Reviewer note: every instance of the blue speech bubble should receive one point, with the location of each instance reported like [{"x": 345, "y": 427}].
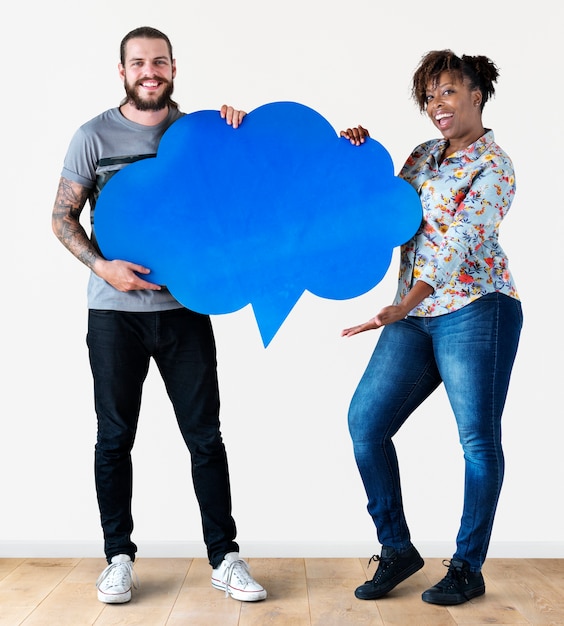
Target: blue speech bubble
[{"x": 258, "y": 215}]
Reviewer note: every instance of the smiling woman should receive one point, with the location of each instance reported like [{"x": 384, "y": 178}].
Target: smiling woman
[
  {"x": 456, "y": 319},
  {"x": 454, "y": 98}
]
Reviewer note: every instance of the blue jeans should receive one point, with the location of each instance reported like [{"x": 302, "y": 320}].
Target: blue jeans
[
  {"x": 182, "y": 345},
  {"x": 472, "y": 352}
]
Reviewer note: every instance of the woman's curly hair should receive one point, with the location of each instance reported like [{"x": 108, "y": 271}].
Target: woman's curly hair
[{"x": 480, "y": 72}]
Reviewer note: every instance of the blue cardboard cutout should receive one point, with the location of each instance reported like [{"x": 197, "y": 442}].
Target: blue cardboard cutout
[{"x": 226, "y": 217}]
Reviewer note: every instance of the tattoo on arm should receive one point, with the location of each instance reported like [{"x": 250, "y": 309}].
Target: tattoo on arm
[{"x": 70, "y": 200}]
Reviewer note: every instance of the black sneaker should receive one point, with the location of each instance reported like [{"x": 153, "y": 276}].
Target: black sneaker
[
  {"x": 393, "y": 567},
  {"x": 458, "y": 586}
]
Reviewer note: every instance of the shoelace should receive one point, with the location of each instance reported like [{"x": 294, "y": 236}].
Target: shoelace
[
  {"x": 455, "y": 575},
  {"x": 383, "y": 564},
  {"x": 240, "y": 570},
  {"x": 375, "y": 557},
  {"x": 118, "y": 575}
]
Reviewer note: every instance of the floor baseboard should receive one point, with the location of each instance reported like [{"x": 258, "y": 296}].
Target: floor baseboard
[{"x": 258, "y": 549}]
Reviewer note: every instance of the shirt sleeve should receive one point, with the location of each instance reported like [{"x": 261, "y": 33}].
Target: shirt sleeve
[{"x": 81, "y": 161}]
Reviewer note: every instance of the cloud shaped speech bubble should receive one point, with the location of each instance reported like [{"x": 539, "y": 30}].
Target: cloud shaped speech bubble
[{"x": 259, "y": 214}]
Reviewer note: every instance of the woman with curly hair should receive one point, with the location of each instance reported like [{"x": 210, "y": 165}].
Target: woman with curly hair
[{"x": 456, "y": 320}]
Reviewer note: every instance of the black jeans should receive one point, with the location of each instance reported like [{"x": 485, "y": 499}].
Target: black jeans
[{"x": 182, "y": 345}]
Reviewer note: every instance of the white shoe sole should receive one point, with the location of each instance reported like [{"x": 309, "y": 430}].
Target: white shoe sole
[
  {"x": 116, "y": 598},
  {"x": 237, "y": 594}
]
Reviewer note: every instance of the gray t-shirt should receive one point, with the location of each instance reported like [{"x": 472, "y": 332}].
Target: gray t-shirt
[{"x": 99, "y": 149}]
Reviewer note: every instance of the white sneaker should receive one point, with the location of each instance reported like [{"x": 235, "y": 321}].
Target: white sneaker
[
  {"x": 115, "y": 582},
  {"x": 234, "y": 577}
]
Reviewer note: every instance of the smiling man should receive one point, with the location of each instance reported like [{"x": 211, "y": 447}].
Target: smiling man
[
  {"x": 147, "y": 70},
  {"x": 131, "y": 320}
]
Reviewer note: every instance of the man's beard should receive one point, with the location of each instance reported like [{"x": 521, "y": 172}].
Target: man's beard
[{"x": 149, "y": 104}]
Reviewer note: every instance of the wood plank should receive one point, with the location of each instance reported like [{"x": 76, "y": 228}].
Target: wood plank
[
  {"x": 287, "y": 602},
  {"x": 7, "y": 566},
  {"x": 199, "y": 603},
  {"x": 69, "y": 604},
  {"x": 331, "y": 584},
  {"x": 532, "y": 587},
  {"x": 26, "y": 586},
  {"x": 335, "y": 568},
  {"x": 332, "y": 603},
  {"x": 73, "y": 602}
]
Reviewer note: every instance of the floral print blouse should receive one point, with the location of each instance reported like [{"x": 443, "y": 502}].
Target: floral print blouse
[{"x": 456, "y": 248}]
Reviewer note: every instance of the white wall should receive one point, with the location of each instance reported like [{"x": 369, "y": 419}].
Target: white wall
[{"x": 296, "y": 489}]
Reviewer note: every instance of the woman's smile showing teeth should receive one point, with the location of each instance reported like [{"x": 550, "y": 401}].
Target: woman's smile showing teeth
[{"x": 443, "y": 119}]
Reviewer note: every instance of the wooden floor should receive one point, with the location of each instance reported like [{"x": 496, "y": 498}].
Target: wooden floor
[{"x": 301, "y": 592}]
